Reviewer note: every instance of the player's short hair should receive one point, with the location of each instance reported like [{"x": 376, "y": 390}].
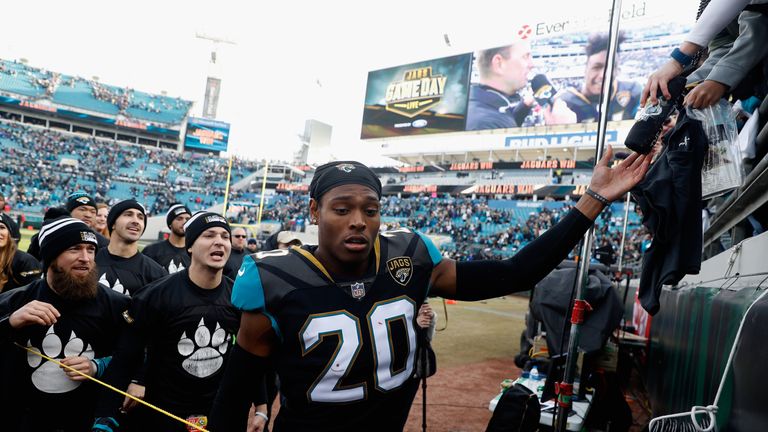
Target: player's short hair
[
  {"x": 599, "y": 42},
  {"x": 484, "y": 58}
]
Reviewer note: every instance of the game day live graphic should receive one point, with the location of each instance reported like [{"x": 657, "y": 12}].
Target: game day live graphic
[{"x": 419, "y": 98}]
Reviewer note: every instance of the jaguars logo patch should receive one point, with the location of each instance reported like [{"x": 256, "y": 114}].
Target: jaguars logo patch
[
  {"x": 401, "y": 269},
  {"x": 347, "y": 168},
  {"x": 623, "y": 97},
  {"x": 127, "y": 317}
]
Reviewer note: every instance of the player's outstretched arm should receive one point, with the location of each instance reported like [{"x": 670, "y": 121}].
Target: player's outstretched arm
[
  {"x": 243, "y": 381},
  {"x": 478, "y": 280}
]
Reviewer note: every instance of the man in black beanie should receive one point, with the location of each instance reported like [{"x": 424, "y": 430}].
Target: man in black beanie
[
  {"x": 53, "y": 213},
  {"x": 66, "y": 316},
  {"x": 186, "y": 322},
  {"x": 121, "y": 266},
  {"x": 82, "y": 206},
  {"x": 171, "y": 253}
]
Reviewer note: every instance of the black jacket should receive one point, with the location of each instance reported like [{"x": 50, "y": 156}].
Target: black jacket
[
  {"x": 25, "y": 269},
  {"x": 491, "y": 109},
  {"x": 670, "y": 198}
]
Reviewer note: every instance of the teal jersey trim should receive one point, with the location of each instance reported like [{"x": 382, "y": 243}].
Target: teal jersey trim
[
  {"x": 248, "y": 292},
  {"x": 434, "y": 252}
]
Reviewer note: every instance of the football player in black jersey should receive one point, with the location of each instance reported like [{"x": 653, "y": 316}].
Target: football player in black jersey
[
  {"x": 339, "y": 319},
  {"x": 121, "y": 266},
  {"x": 67, "y": 316},
  {"x": 171, "y": 253},
  {"x": 187, "y": 323}
]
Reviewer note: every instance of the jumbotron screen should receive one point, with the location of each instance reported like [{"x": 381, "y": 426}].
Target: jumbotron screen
[
  {"x": 550, "y": 74},
  {"x": 417, "y": 98},
  {"x": 206, "y": 134}
]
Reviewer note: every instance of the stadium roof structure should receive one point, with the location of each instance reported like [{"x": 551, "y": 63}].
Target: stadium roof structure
[{"x": 46, "y": 90}]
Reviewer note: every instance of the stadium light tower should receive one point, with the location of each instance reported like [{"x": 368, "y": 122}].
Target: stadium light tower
[{"x": 213, "y": 82}]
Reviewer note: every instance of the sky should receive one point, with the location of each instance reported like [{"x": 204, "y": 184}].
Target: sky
[{"x": 292, "y": 60}]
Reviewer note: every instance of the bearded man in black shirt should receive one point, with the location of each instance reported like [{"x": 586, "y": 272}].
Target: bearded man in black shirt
[{"x": 67, "y": 316}]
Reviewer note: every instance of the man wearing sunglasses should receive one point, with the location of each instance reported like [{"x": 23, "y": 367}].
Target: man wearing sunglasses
[{"x": 239, "y": 238}]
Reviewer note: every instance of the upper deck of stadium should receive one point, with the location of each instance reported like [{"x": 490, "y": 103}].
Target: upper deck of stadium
[{"x": 41, "y": 88}]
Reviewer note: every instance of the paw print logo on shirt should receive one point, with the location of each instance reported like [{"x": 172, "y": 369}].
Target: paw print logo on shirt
[
  {"x": 204, "y": 354},
  {"x": 49, "y": 377},
  {"x": 173, "y": 268},
  {"x": 117, "y": 286}
]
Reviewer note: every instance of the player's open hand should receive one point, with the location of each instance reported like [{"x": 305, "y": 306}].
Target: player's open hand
[{"x": 613, "y": 183}]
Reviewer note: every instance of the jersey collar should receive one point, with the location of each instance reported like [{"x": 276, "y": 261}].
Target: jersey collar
[{"x": 319, "y": 266}]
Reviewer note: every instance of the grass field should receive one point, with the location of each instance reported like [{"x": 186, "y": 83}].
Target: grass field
[
  {"x": 25, "y": 236},
  {"x": 479, "y": 331},
  {"x": 474, "y": 354}
]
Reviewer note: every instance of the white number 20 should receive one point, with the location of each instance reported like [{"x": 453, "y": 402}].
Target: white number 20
[{"x": 347, "y": 327}]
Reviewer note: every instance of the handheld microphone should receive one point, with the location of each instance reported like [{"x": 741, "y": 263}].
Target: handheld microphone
[{"x": 543, "y": 90}]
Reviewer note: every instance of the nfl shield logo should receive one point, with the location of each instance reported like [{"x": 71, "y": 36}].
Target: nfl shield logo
[{"x": 358, "y": 290}]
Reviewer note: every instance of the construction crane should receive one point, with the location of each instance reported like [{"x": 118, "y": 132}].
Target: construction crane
[{"x": 213, "y": 82}]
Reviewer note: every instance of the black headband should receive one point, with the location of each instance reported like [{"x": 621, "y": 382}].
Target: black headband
[{"x": 339, "y": 173}]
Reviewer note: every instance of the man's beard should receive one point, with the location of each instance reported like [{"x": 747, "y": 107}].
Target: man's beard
[
  {"x": 179, "y": 232},
  {"x": 73, "y": 287}
]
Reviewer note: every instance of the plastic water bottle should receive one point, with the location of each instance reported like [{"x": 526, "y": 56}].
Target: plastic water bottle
[
  {"x": 535, "y": 383},
  {"x": 534, "y": 374},
  {"x": 524, "y": 378}
]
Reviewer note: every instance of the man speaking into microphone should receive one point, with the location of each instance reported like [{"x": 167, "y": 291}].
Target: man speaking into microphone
[{"x": 494, "y": 102}]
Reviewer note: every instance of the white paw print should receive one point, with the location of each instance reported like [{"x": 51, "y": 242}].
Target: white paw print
[
  {"x": 204, "y": 354},
  {"x": 49, "y": 377},
  {"x": 173, "y": 268},
  {"x": 117, "y": 286}
]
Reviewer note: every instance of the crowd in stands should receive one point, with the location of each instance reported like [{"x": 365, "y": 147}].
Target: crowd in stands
[
  {"x": 62, "y": 163},
  {"x": 158, "y": 177},
  {"x": 476, "y": 228},
  {"x": 145, "y": 106}
]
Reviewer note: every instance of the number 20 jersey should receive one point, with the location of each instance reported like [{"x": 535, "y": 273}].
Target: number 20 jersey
[{"x": 346, "y": 350}]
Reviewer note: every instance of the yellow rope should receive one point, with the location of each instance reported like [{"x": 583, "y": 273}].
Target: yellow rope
[{"x": 147, "y": 404}]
